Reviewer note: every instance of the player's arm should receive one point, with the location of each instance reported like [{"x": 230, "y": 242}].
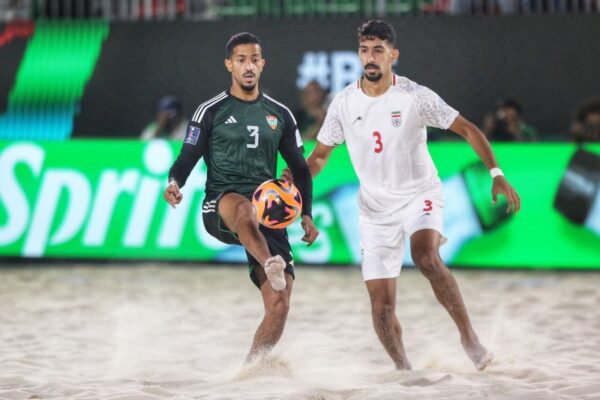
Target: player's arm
[
  {"x": 330, "y": 135},
  {"x": 476, "y": 139},
  {"x": 194, "y": 147},
  {"x": 290, "y": 148},
  {"x": 316, "y": 161},
  {"x": 480, "y": 144},
  {"x": 318, "y": 158}
]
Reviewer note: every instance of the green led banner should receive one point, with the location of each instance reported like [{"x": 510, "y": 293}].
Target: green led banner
[
  {"x": 57, "y": 64},
  {"x": 103, "y": 199}
]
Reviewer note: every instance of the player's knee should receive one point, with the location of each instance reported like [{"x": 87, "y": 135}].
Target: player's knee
[
  {"x": 243, "y": 209},
  {"x": 244, "y": 214},
  {"x": 428, "y": 262},
  {"x": 279, "y": 308},
  {"x": 383, "y": 311}
]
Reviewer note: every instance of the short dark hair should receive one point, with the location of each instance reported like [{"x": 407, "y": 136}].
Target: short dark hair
[
  {"x": 511, "y": 103},
  {"x": 377, "y": 28},
  {"x": 169, "y": 103},
  {"x": 591, "y": 106},
  {"x": 240, "y": 38}
]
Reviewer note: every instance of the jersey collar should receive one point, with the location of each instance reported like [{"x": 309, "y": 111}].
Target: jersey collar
[{"x": 258, "y": 98}]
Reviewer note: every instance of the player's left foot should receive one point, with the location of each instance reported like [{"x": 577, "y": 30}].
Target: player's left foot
[
  {"x": 480, "y": 356},
  {"x": 274, "y": 267},
  {"x": 403, "y": 366}
]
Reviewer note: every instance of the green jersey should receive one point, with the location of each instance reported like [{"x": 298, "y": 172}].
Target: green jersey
[{"x": 239, "y": 141}]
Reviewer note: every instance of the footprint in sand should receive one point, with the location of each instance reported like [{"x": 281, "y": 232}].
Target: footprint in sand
[
  {"x": 424, "y": 381},
  {"x": 413, "y": 378},
  {"x": 266, "y": 366}
]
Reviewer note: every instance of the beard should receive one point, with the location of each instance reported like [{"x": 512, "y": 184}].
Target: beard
[
  {"x": 248, "y": 88},
  {"x": 373, "y": 76}
]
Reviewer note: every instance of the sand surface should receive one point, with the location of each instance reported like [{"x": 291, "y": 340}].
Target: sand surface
[{"x": 174, "y": 332}]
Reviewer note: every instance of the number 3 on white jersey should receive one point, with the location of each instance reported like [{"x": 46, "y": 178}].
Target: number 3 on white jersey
[
  {"x": 253, "y": 133},
  {"x": 378, "y": 143}
]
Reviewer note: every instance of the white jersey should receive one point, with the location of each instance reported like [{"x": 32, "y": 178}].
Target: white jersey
[{"x": 386, "y": 138}]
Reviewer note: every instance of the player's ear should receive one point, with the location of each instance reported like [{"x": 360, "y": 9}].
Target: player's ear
[
  {"x": 395, "y": 54},
  {"x": 229, "y": 64}
]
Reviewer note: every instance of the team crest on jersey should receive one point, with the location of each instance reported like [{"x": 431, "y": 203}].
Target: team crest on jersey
[
  {"x": 396, "y": 119},
  {"x": 272, "y": 120}
]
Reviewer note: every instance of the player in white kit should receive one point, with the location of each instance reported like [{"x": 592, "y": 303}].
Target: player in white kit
[{"x": 383, "y": 119}]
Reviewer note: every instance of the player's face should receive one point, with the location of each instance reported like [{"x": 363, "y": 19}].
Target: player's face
[
  {"x": 377, "y": 57},
  {"x": 245, "y": 64}
]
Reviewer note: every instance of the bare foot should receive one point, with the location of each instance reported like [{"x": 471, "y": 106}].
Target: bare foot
[
  {"x": 403, "y": 366},
  {"x": 274, "y": 268},
  {"x": 480, "y": 356}
]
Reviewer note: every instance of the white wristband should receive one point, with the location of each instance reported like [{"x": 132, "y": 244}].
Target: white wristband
[{"x": 494, "y": 172}]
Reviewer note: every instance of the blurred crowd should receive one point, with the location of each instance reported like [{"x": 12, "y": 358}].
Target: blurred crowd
[
  {"x": 218, "y": 9},
  {"x": 503, "y": 123}
]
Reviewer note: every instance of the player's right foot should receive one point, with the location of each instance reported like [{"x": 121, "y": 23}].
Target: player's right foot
[
  {"x": 274, "y": 267},
  {"x": 480, "y": 356}
]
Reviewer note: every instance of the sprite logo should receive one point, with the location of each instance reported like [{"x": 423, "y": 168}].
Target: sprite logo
[{"x": 84, "y": 205}]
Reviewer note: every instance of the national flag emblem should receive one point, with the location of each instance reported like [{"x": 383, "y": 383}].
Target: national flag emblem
[
  {"x": 396, "y": 119},
  {"x": 193, "y": 133},
  {"x": 272, "y": 120}
]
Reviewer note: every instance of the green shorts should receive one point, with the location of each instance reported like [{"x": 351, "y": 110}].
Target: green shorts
[{"x": 277, "y": 239}]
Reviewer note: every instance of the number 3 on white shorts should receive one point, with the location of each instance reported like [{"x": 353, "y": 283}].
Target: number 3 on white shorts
[{"x": 428, "y": 206}]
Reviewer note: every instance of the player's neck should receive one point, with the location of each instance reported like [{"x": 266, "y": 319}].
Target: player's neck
[
  {"x": 237, "y": 91},
  {"x": 374, "y": 89}
]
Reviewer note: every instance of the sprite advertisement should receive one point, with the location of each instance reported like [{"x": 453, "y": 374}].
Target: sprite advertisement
[{"x": 103, "y": 199}]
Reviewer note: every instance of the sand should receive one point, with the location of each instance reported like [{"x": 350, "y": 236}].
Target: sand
[{"x": 178, "y": 332}]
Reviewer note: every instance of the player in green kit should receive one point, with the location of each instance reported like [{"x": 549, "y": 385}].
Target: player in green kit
[{"x": 239, "y": 133}]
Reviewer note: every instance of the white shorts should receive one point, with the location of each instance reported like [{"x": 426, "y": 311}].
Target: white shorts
[{"x": 382, "y": 239}]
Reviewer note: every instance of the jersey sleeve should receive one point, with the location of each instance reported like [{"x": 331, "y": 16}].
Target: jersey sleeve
[
  {"x": 433, "y": 110},
  {"x": 291, "y": 149},
  {"x": 331, "y": 133},
  {"x": 194, "y": 146}
]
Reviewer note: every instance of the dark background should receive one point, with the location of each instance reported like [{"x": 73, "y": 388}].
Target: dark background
[
  {"x": 10, "y": 58},
  {"x": 549, "y": 63}
]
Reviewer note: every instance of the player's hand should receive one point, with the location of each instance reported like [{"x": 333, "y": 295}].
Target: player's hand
[
  {"x": 310, "y": 230},
  {"x": 501, "y": 186},
  {"x": 172, "y": 194},
  {"x": 286, "y": 175}
]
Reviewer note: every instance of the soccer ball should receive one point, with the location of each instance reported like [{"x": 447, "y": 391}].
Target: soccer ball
[{"x": 277, "y": 203}]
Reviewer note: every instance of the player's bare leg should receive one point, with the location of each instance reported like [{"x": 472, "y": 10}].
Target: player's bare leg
[
  {"x": 277, "y": 305},
  {"x": 238, "y": 215},
  {"x": 383, "y": 311},
  {"x": 425, "y": 253}
]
